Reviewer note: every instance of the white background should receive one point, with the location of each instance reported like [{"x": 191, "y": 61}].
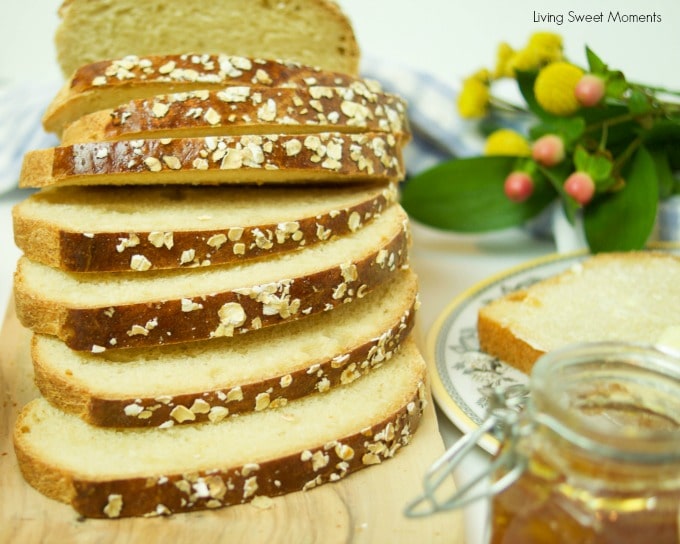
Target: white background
[{"x": 447, "y": 37}]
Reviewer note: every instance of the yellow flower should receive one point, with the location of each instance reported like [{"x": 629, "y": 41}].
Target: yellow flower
[
  {"x": 503, "y": 56},
  {"x": 473, "y": 99},
  {"x": 554, "y": 88},
  {"x": 541, "y": 49},
  {"x": 524, "y": 60},
  {"x": 507, "y": 142},
  {"x": 482, "y": 75},
  {"x": 549, "y": 44}
]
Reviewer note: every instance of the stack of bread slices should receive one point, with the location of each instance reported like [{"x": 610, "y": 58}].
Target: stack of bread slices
[{"x": 216, "y": 275}]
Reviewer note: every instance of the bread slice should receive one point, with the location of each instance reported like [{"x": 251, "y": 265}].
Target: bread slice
[
  {"x": 256, "y": 159},
  {"x": 311, "y": 441},
  {"x": 97, "y": 228},
  {"x": 314, "y": 32},
  {"x": 208, "y": 381},
  {"x": 129, "y": 309},
  {"x": 245, "y": 110},
  {"x": 608, "y": 297},
  {"x": 110, "y": 83}
]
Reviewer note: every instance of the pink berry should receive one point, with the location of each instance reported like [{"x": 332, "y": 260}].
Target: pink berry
[
  {"x": 589, "y": 90},
  {"x": 548, "y": 150},
  {"x": 580, "y": 186},
  {"x": 518, "y": 186}
]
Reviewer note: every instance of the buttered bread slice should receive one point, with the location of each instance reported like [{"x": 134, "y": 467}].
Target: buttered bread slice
[
  {"x": 209, "y": 381},
  {"x": 128, "y": 309},
  {"x": 632, "y": 297},
  {"x": 109, "y": 83},
  {"x": 256, "y": 159},
  {"x": 311, "y": 441},
  {"x": 98, "y": 229},
  {"x": 246, "y": 110}
]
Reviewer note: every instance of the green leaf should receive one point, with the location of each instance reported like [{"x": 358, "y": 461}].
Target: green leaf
[
  {"x": 664, "y": 131},
  {"x": 525, "y": 83},
  {"x": 466, "y": 195},
  {"x": 638, "y": 102},
  {"x": 598, "y": 166},
  {"x": 623, "y": 220},
  {"x": 664, "y": 175},
  {"x": 556, "y": 176},
  {"x": 616, "y": 85},
  {"x": 570, "y": 129},
  {"x": 581, "y": 158},
  {"x": 595, "y": 63}
]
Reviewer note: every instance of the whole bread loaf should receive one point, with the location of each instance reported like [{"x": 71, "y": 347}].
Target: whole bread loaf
[
  {"x": 246, "y": 110},
  {"x": 101, "y": 229},
  {"x": 327, "y": 157},
  {"x": 210, "y": 381},
  {"x": 314, "y": 32},
  {"x": 631, "y": 296},
  {"x": 131, "y": 309},
  {"x": 110, "y": 83},
  {"x": 311, "y": 441}
]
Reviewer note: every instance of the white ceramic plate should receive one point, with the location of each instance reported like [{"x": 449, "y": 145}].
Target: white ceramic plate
[{"x": 459, "y": 371}]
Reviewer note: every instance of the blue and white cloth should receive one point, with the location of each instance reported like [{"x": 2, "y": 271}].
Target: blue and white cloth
[
  {"x": 438, "y": 132},
  {"x": 21, "y": 110}
]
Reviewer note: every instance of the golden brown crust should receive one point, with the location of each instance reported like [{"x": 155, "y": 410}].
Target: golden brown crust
[
  {"x": 273, "y": 158},
  {"x": 174, "y": 493},
  {"x": 47, "y": 243},
  {"x": 499, "y": 341},
  {"x": 203, "y": 406},
  {"x": 233, "y": 311},
  {"x": 243, "y": 110},
  {"x": 109, "y": 83}
]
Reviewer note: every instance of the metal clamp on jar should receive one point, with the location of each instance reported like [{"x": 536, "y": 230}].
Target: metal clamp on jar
[{"x": 589, "y": 452}]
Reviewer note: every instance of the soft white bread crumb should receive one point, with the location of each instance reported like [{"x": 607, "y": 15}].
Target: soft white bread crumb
[{"x": 96, "y": 229}]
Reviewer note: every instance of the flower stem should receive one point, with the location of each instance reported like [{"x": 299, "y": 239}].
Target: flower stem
[
  {"x": 505, "y": 105},
  {"x": 613, "y": 121},
  {"x": 626, "y": 154},
  {"x": 654, "y": 89}
]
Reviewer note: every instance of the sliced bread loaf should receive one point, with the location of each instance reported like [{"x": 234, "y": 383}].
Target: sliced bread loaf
[
  {"x": 110, "y": 83},
  {"x": 245, "y": 110},
  {"x": 128, "y": 309},
  {"x": 314, "y": 32},
  {"x": 208, "y": 381},
  {"x": 611, "y": 296},
  {"x": 311, "y": 441},
  {"x": 98, "y": 228},
  {"x": 256, "y": 159}
]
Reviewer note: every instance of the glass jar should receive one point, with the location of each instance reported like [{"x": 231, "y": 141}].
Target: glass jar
[
  {"x": 600, "y": 446},
  {"x": 592, "y": 455}
]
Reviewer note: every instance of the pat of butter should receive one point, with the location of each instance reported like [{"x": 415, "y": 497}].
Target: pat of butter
[{"x": 670, "y": 337}]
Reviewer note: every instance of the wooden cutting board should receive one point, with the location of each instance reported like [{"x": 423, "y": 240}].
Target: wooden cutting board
[{"x": 367, "y": 507}]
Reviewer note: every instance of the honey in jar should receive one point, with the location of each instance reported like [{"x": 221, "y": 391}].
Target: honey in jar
[{"x": 597, "y": 445}]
